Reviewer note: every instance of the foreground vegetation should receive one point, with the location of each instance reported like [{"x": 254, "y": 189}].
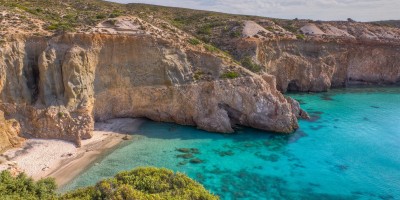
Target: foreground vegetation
[
  {"x": 23, "y": 187},
  {"x": 141, "y": 183}
]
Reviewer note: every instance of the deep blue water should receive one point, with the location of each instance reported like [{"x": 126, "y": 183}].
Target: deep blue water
[{"x": 350, "y": 149}]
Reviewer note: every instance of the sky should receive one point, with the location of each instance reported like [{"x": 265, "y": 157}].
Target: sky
[{"x": 359, "y": 10}]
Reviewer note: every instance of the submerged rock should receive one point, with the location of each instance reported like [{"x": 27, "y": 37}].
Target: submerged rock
[
  {"x": 188, "y": 150},
  {"x": 196, "y": 161},
  {"x": 185, "y": 156}
]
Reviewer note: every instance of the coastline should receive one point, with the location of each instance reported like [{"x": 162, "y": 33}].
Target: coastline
[{"x": 61, "y": 160}]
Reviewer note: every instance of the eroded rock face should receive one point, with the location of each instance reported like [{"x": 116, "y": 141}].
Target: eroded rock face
[
  {"x": 316, "y": 66},
  {"x": 32, "y": 92},
  {"x": 212, "y": 106},
  {"x": 9, "y": 133},
  {"x": 58, "y": 87}
]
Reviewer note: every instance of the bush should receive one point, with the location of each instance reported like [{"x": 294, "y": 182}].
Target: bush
[
  {"x": 230, "y": 75},
  {"x": 205, "y": 30},
  {"x": 197, "y": 75},
  {"x": 63, "y": 27},
  {"x": 141, "y": 183},
  {"x": 235, "y": 34},
  {"x": 249, "y": 64},
  {"x": 210, "y": 48},
  {"x": 194, "y": 41},
  {"x": 300, "y": 37},
  {"x": 144, "y": 183},
  {"x": 60, "y": 114},
  {"x": 290, "y": 28},
  {"x": 22, "y": 187},
  {"x": 112, "y": 22},
  {"x": 101, "y": 16},
  {"x": 270, "y": 28},
  {"x": 179, "y": 22},
  {"x": 115, "y": 13}
]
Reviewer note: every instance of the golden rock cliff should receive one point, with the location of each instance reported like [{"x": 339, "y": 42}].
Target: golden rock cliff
[
  {"x": 9, "y": 130},
  {"x": 58, "y": 86},
  {"x": 357, "y": 53}
]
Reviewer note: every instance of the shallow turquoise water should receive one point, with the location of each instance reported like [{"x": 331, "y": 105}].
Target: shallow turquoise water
[{"x": 349, "y": 150}]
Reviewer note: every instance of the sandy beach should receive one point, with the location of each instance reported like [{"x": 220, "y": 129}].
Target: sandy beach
[{"x": 61, "y": 160}]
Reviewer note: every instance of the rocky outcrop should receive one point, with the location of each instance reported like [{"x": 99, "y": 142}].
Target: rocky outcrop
[
  {"x": 9, "y": 133},
  {"x": 324, "y": 55},
  {"x": 57, "y": 87},
  {"x": 318, "y": 65},
  {"x": 30, "y": 93}
]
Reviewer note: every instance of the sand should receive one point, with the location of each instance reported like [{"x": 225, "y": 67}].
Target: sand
[
  {"x": 61, "y": 160},
  {"x": 311, "y": 29},
  {"x": 252, "y": 28}
]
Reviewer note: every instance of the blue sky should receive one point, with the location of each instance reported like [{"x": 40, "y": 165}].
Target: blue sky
[{"x": 360, "y": 10}]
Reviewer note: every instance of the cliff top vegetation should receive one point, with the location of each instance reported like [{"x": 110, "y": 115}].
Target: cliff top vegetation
[{"x": 73, "y": 15}]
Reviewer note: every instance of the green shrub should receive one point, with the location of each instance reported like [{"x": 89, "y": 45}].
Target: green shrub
[
  {"x": 230, "y": 75},
  {"x": 141, "y": 183},
  {"x": 179, "y": 22},
  {"x": 249, "y": 64},
  {"x": 114, "y": 22},
  {"x": 205, "y": 30},
  {"x": 22, "y": 187},
  {"x": 235, "y": 34},
  {"x": 210, "y": 48},
  {"x": 60, "y": 114},
  {"x": 300, "y": 36},
  {"x": 194, "y": 41},
  {"x": 101, "y": 16},
  {"x": 144, "y": 183},
  {"x": 290, "y": 28},
  {"x": 270, "y": 28},
  {"x": 115, "y": 13},
  {"x": 197, "y": 75},
  {"x": 63, "y": 27}
]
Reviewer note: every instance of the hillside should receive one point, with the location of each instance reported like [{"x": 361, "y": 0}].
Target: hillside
[{"x": 390, "y": 23}]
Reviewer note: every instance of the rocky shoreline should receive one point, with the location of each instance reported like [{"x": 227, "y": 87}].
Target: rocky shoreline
[{"x": 61, "y": 160}]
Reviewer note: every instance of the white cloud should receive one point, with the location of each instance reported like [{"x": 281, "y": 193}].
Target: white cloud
[{"x": 362, "y": 10}]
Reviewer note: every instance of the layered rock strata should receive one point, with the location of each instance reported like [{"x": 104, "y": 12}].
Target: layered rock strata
[
  {"x": 58, "y": 87},
  {"x": 327, "y": 55},
  {"x": 315, "y": 66}
]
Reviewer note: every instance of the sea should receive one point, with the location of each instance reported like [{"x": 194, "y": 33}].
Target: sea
[{"x": 349, "y": 149}]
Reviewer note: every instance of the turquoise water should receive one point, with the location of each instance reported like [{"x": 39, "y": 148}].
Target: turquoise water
[{"x": 350, "y": 149}]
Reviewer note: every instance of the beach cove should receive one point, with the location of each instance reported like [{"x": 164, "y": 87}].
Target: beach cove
[
  {"x": 347, "y": 150},
  {"x": 63, "y": 161},
  {"x": 334, "y": 155}
]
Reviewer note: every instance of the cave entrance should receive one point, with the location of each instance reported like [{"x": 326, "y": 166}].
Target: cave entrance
[
  {"x": 233, "y": 114},
  {"x": 32, "y": 77},
  {"x": 293, "y": 86}
]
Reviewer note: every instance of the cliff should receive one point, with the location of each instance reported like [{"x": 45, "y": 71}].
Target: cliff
[
  {"x": 58, "y": 86},
  {"x": 316, "y": 66},
  {"x": 303, "y": 55}
]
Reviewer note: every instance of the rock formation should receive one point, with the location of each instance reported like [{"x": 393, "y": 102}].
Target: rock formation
[
  {"x": 322, "y": 60},
  {"x": 56, "y": 87},
  {"x": 9, "y": 130}
]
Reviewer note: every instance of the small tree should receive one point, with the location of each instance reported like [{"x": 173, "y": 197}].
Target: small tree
[{"x": 350, "y": 20}]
